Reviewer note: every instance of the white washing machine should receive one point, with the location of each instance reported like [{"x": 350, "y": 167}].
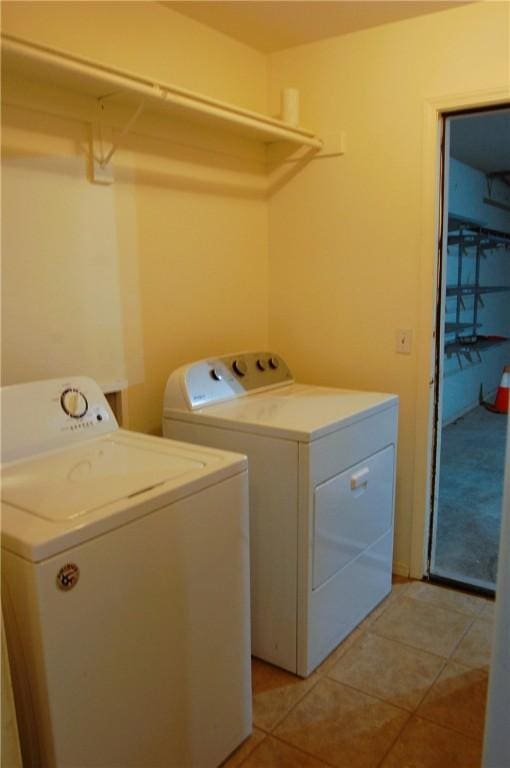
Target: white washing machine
[
  {"x": 125, "y": 575},
  {"x": 322, "y": 488}
]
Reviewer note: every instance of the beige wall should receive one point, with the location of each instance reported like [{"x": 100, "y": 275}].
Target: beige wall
[
  {"x": 350, "y": 239},
  {"x": 346, "y": 235},
  {"x": 147, "y": 39},
  {"x": 61, "y": 308},
  {"x": 190, "y": 219}
]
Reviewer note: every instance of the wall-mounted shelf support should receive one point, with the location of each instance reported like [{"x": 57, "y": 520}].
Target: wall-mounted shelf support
[
  {"x": 472, "y": 238},
  {"x": 101, "y": 174},
  {"x": 502, "y": 175},
  {"x": 115, "y": 145}
]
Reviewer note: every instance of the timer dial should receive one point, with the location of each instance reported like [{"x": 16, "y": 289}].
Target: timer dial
[
  {"x": 240, "y": 367},
  {"x": 74, "y": 403}
]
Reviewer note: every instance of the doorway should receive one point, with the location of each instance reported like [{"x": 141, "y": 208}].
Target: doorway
[{"x": 473, "y": 349}]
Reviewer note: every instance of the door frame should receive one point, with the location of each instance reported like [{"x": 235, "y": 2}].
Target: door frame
[
  {"x": 437, "y": 387},
  {"x": 429, "y": 270}
]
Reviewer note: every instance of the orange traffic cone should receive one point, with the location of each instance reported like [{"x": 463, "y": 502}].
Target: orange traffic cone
[{"x": 502, "y": 397}]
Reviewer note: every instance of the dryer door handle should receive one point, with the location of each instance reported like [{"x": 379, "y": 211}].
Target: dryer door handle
[{"x": 360, "y": 479}]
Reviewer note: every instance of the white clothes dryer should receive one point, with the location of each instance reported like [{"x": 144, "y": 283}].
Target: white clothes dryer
[
  {"x": 125, "y": 575},
  {"x": 322, "y": 488}
]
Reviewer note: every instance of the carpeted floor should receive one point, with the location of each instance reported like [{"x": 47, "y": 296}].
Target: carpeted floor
[{"x": 470, "y": 498}]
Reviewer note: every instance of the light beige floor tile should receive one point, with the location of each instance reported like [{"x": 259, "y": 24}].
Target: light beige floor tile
[
  {"x": 422, "y": 625},
  {"x": 275, "y": 692},
  {"x": 457, "y": 700},
  {"x": 475, "y": 648},
  {"x": 446, "y": 598},
  {"x": 337, "y": 654},
  {"x": 399, "y": 585},
  {"x": 378, "y": 611},
  {"x": 398, "y": 590},
  {"x": 385, "y": 668},
  {"x": 426, "y": 745},
  {"x": 242, "y": 752},
  {"x": 275, "y": 754},
  {"x": 342, "y": 726}
]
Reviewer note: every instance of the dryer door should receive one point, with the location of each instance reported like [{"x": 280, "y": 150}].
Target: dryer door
[{"x": 351, "y": 511}]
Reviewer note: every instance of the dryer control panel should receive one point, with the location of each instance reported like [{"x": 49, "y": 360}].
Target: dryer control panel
[{"x": 214, "y": 380}]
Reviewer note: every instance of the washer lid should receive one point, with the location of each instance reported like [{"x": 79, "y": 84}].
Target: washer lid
[
  {"x": 67, "y": 497},
  {"x": 71, "y": 483}
]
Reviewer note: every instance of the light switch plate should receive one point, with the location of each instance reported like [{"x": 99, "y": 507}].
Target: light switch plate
[{"x": 403, "y": 341}]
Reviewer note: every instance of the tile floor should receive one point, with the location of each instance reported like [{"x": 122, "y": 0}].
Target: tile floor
[{"x": 406, "y": 689}]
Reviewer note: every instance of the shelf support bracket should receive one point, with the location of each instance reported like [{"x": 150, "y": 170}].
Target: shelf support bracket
[{"x": 101, "y": 173}]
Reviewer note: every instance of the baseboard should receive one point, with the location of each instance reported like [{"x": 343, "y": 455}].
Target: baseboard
[{"x": 400, "y": 569}]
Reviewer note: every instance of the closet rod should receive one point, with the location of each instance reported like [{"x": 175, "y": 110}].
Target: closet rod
[{"x": 159, "y": 93}]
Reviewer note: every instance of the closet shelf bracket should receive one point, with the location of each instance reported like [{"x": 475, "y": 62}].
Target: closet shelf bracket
[{"x": 100, "y": 170}]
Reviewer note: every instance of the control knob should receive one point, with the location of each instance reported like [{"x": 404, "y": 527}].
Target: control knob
[
  {"x": 274, "y": 363},
  {"x": 216, "y": 374},
  {"x": 261, "y": 364},
  {"x": 74, "y": 403},
  {"x": 239, "y": 367}
]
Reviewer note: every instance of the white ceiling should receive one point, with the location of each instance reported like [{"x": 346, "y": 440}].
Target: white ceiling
[
  {"x": 482, "y": 140},
  {"x": 272, "y": 25}
]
